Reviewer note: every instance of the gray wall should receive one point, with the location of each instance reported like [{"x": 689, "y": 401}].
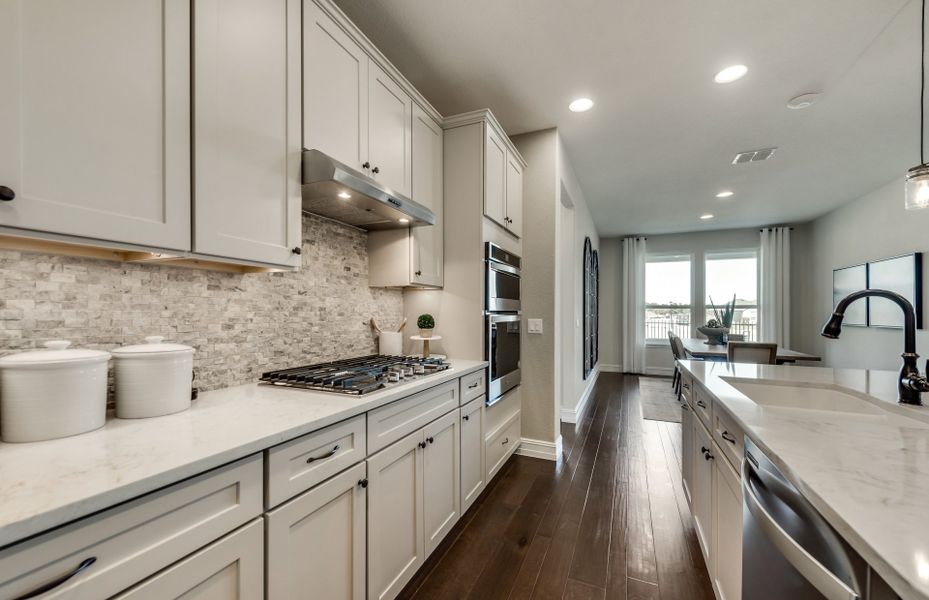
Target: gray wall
[
  {"x": 872, "y": 227},
  {"x": 240, "y": 325},
  {"x": 611, "y": 307}
]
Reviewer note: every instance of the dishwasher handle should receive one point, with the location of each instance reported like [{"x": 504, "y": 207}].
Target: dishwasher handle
[{"x": 824, "y": 580}]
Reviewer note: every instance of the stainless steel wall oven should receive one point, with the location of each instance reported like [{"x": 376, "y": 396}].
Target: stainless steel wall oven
[{"x": 502, "y": 318}]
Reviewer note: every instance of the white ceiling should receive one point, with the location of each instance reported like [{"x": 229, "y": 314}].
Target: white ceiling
[{"x": 657, "y": 146}]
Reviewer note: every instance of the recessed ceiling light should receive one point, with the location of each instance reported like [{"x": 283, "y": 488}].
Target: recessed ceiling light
[
  {"x": 706, "y": 217},
  {"x": 404, "y": 220},
  {"x": 731, "y": 73},
  {"x": 802, "y": 101},
  {"x": 344, "y": 195},
  {"x": 725, "y": 194},
  {"x": 581, "y": 104}
]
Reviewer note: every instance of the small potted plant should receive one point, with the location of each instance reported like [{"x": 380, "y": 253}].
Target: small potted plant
[
  {"x": 426, "y": 324},
  {"x": 716, "y": 329}
]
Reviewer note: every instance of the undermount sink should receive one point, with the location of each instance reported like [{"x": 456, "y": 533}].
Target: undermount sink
[{"x": 800, "y": 397}]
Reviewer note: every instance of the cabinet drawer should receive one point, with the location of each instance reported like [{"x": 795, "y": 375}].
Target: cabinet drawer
[
  {"x": 687, "y": 386},
  {"x": 235, "y": 564},
  {"x": 300, "y": 464},
  {"x": 473, "y": 385},
  {"x": 501, "y": 444},
  {"x": 135, "y": 540},
  {"x": 391, "y": 422},
  {"x": 729, "y": 436},
  {"x": 702, "y": 403}
]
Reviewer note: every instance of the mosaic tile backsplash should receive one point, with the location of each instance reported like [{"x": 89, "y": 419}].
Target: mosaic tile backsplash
[{"x": 240, "y": 325}]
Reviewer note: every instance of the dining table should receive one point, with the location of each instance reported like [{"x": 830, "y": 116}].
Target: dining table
[{"x": 698, "y": 348}]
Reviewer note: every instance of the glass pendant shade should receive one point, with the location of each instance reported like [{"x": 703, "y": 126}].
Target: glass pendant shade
[{"x": 917, "y": 187}]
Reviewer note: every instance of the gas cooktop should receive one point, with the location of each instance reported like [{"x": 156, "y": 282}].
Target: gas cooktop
[{"x": 356, "y": 375}]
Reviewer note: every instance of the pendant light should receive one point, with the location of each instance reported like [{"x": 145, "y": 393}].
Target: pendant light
[{"x": 917, "y": 178}]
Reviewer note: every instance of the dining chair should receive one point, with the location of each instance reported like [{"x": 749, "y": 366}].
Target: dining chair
[
  {"x": 752, "y": 352},
  {"x": 677, "y": 350}
]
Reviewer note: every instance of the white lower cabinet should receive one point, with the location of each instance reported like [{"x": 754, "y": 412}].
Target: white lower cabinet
[
  {"x": 472, "y": 452},
  {"x": 727, "y": 535},
  {"x": 396, "y": 544},
  {"x": 441, "y": 478},
  {"x": 317, "y": 541},
  {"x": 231, "y": 568},
  {"x": 687, "y": 450},
  {"x": 702, "y": 493}
]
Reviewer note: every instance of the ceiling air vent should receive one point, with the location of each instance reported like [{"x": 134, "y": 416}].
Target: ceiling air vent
[{"x": 753, "y": 156}]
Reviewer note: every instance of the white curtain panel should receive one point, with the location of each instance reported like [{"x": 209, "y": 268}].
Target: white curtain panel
[
  {"x": 634, "y": 305},
  {"x": 774, "y": 273}
]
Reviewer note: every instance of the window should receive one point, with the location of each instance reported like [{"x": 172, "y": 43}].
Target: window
[
  {"x": 667, "y": 296},
  {"x": 734, "y": 273}
]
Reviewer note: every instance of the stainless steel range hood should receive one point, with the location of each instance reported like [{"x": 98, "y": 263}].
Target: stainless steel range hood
[{"x": 336, "y": 191}]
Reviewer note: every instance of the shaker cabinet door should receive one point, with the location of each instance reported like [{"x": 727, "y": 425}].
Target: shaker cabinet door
[
  {"x": 472, "y": 452},
  {"x": 390, "y": 122},
  {"x": 395, "y": 516},
  {"x": 703, "y": 490},
  {"x": 427, "y": 251},
  {"x": 728, "y": 532},
  {"x": 247, "y": 148},
  {"x": 335, "y": 90},
  {"x": 317, "y": 541},
  {"x": 514, "y": 195},
  {"x": 495, "y": 167},
  {"x": 95, "y": 119},
  {"x": 441, "y": 479}
]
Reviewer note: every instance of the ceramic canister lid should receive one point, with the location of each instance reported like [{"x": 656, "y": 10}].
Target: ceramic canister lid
[
  {"x": 154, "y": 344},
  {"x": 56, "y": 352}
]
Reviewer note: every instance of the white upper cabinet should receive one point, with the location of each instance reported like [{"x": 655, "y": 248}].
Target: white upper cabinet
[
  {"x": 494, "y": 176},
  {"x": 247, "y": 146},
  {"x": 95, "y": 119},
  {"x": 514, "y": 195},
  {"x": 503, "y": 182},
  {"x": 390, "y": 121},
  {"x": 427, "y": 249},
  {"x": 335, "y": 90}
]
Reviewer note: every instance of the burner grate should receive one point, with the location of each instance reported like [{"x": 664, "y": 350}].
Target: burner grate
[{"x": 355, "y": 375}]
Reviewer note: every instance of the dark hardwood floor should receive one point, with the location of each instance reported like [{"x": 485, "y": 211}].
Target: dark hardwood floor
[{"x": 608, "y": 521}]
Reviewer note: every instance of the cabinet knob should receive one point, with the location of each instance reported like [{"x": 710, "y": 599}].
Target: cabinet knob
[
  {"x": 363, "y": 483},
  {"x": 430, "y": 440},
  {"x": 297, "y": 250},
  {"x": 376, "y": 170},
  {"x": 366, "y": 165},
  {"x": 466, "y": 417},
  {"x": 422, "y": 444},
  {"x": 6, "y": 194},
  {"x": 418, "y": 273}
]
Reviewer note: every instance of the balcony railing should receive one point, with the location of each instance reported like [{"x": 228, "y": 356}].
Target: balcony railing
[{"x": 657, "y": 329}]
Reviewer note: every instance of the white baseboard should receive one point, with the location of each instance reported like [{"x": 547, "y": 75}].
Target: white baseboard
[
  {"x": 569, "y": 415},
  {"x": 660, "y": 371},
  {"x": 540, "y": 448},
  {"x": 611, "y": 368}
]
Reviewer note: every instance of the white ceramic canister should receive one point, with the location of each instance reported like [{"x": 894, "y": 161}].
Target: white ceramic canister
[
  {"x": 52, "y": 393},
  {"x": 153, "y": 379}
]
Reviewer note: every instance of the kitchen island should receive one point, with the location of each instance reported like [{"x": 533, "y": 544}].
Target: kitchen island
[{"x": 864, "y": 467}]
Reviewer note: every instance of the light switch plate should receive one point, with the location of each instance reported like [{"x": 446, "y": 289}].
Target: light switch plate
[{"x": 535, "y": 325}]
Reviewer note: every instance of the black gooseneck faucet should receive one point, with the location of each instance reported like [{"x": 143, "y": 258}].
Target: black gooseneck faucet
[{"x": 910, "y": 383}]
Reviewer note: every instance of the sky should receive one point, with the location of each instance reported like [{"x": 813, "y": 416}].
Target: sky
[{"x": 669, "y": 282}]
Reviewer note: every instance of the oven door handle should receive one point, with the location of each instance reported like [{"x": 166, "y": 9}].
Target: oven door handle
[
  {"x": 824, "y": 580},
  {"x": 503, "y": 268}
]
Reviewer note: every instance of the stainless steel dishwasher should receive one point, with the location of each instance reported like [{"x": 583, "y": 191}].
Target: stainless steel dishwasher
[{"x": 788, "y": 549}]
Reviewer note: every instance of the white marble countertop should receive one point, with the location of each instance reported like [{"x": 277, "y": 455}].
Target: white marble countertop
[
  {"x": 46, "y": 484},
  {"x": 868, "y": 475}
]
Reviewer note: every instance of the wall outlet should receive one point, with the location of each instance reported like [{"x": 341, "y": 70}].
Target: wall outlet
[{"x": 535, "y": 325}]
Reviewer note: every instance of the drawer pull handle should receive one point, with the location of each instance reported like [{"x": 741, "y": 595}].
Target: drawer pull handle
[
  {"x": 474, "y": 385},
  {"x": 85, "y": 564},
  {"x": 505, "y": 442},
  {"x": 701, "y": 403},
  {"x": 329, "y": 454},
  {"x": 728, "y": 437},
  {"x": 686, "y": 386}
]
